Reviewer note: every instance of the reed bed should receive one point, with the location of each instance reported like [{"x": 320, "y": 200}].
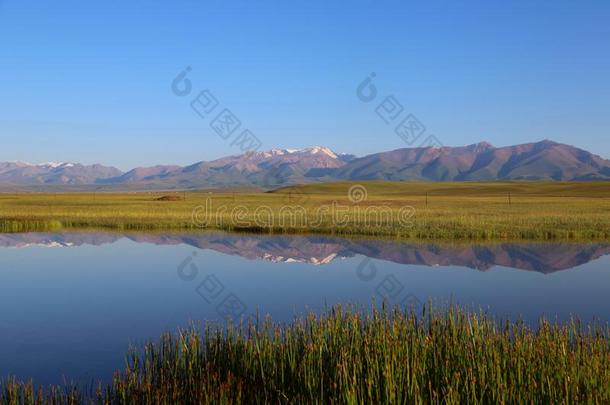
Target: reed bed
[{"x": 346, "y": 356}]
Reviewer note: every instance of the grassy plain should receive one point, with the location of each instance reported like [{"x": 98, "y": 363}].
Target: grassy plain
[
  {"x": 346, "y": 356},
  {"x": 405, "y": 210}
]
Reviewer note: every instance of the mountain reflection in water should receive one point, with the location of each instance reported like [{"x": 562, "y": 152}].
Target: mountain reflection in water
[{"x": 543, "y": 257}]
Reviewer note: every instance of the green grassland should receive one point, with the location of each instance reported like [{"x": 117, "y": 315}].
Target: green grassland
[
  {"x": 451, "y": 211},
  {"x": 346, "y": 356}
]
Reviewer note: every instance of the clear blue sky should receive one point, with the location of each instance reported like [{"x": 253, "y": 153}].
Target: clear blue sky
[{"x": 90, "y": 81}]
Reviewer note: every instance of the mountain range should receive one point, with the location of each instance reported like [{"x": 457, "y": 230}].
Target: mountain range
[{"x": 544, "y": 160}]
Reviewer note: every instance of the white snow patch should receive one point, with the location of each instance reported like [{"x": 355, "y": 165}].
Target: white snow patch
[{"x": 313, "y": 150}]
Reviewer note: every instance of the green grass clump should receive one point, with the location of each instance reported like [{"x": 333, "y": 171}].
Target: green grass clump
[
  {"x": 16, "y": 226},
  {"x": 346, "y": 356}
]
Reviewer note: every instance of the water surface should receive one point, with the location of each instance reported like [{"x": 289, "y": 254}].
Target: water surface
[{"x": 73, "y": 302}]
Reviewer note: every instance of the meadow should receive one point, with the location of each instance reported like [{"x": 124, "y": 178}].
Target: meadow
[
  {"x": 347, "y": 356},
  {"x": 454, "y": 211},
  {"x": 436, "y": 210}
]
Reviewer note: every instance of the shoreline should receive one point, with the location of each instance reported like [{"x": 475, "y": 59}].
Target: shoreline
[{"x": 473, "y": 235}]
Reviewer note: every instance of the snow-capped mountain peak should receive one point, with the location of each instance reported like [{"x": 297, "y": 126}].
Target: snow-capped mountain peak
[
  {"x": 311, "y": 150},
  {"x": 55, "y": 165},
  {"x": 322, "y": 150}
]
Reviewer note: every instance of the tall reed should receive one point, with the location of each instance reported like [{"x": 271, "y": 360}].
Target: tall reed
[{"x": 348, "y": 356}]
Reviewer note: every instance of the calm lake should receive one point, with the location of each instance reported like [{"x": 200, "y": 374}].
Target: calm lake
[{"x": 73, "y": 303}]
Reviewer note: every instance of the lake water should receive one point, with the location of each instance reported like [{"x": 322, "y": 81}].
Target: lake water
[{"x": 72, "y": 303}]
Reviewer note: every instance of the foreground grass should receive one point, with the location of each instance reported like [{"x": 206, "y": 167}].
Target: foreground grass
[
  {"x": 346, "y": 356},
  {"x": 455, "y": 211}
]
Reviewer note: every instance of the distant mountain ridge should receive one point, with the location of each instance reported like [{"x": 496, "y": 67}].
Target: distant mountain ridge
[
  {"x": 544, "y": 160},
  {"x": 54, "y": 173}
]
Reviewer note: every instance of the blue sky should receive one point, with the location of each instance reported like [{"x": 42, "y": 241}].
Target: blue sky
[{"x": 91, "y": 81}]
